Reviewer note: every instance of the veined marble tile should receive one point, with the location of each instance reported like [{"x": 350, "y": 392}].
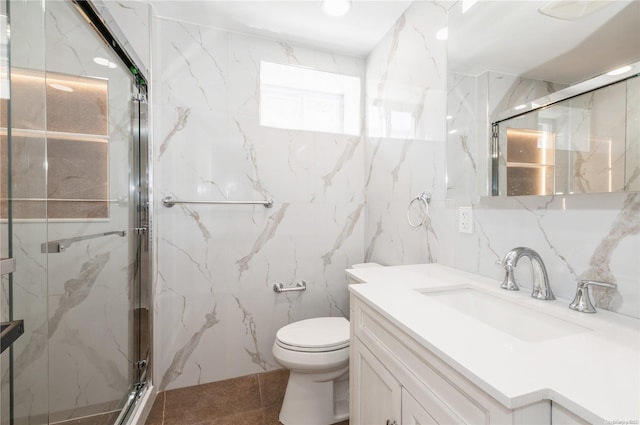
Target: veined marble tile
[
  {"x": 405, "y": 150},
  {"x": 130, "y": 23},
  {"x": 217, "y": 264},
  {"x": 406, "y": 78},
  {"x": 632, "y": 167},
  {"x": 194, "y": 66},
  {"x": 233, "y": 273},
  {"x": 507, "y": 91},
  {"x": 463, "y": 167}
]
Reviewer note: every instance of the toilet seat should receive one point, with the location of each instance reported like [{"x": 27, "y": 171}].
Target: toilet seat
[{"x": 321, "y": 334}]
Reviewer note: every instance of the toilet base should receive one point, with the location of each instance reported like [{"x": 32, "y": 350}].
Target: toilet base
[{"x": 312, "y": 399}]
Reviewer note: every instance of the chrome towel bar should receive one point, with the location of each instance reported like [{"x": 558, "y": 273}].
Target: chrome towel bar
[
  {"x": 170, "y": 202},
  {"x": 61, "y": 244},
  {"x": 300, "y": 286}
]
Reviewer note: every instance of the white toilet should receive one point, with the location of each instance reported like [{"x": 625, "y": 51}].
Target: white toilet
[{"x": 316, "y": 351}]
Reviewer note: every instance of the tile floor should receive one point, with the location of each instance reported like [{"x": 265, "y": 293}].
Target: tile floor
[{"x": 248, "y": 400}]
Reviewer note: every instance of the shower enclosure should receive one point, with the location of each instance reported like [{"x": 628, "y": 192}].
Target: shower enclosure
[{"x": 73, "y": 218}]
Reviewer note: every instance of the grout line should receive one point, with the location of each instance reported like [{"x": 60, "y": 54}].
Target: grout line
[
  {"x": 164, "y": 405},
  {"x": 260, "y": 390}
]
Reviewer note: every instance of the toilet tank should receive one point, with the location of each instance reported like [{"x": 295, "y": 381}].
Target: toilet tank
[{"x": 351, "y": 280}]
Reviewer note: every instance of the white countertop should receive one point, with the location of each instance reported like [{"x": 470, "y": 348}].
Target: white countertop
[{"x": 595, "y": 374}]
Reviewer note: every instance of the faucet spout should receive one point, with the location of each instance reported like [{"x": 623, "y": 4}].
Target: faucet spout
[{"x": 541, "y": 288}]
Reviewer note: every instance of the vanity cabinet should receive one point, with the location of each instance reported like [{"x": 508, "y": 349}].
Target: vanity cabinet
[
  {"x": 396, "y": 380},
  {"x": 379, "y": 393},
  {"x": 561, "y": 416}
]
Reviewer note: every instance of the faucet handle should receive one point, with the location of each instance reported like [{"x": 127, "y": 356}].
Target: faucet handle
[
  {"x": 582, "y": 301},
  {"x": 509, "y": 282}
]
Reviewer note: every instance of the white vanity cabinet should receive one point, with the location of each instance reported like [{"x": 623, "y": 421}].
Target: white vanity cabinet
[{"x": 396, "y": 380}]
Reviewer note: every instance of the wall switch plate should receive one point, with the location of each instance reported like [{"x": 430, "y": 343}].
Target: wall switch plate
[{"x": 465, "y": 220}]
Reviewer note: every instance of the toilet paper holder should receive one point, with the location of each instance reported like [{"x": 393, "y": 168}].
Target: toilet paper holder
[{"x": 300, "y": 286}]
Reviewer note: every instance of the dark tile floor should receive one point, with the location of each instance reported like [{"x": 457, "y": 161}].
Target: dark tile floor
[{"x": 248, "y": 400}]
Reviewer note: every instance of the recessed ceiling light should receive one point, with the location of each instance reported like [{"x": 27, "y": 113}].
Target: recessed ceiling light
[
  {"x": 619, "y": 71},
  {"x": 61, "y": 87},
  {"x": 105, "y": 62},
  {"x": 449, "y": 117},
  {"x": 336, "y": 7},
  {"x": 517, "y": 108},
  {"x": 454, "y": 131},
  {"x": 443, "y": 33}
]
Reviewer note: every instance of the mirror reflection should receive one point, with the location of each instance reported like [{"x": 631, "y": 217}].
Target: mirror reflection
[
  {"x": 585, "y": 144},
  {"x": 533, "y": 51}
]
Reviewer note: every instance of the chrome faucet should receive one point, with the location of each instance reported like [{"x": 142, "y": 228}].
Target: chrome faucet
[
  {"x": 582, "y": 302},
  {"x": 541, "y": 287}
]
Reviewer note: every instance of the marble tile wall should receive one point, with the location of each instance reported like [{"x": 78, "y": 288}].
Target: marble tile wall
[
  {"x": 215, "y": 312},
  {"x": 130, "y": 22},
  {"x": 405, "y": 145},
  {"x": 632, "y": 166},
  {"x": 216, "y": 265},
  {"x": 594, "y": 236}
]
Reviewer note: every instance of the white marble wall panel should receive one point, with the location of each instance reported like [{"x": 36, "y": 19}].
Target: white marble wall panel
[
  {"x": 216, "y": 265},
  {"x": 406, "y": 74},
  {"x": 129, "y": 22},
  {"x": 463, "y": 165},
  {"x": 406, "y": 77},
  {"x": 508, "y": 91},
  {"x": 632, "y": 166}
]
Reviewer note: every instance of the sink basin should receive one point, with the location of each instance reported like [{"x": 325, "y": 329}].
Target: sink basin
[{"x": 517, "y": 320}]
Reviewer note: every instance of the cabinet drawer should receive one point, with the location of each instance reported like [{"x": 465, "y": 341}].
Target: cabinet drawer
[{"x": 445, "y": 394}]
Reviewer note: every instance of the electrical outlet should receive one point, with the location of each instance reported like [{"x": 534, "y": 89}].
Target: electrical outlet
[{"x": 465, "y": 220}]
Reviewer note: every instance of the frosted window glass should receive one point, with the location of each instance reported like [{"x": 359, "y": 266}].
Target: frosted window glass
[{"x": 304, "y": 99}]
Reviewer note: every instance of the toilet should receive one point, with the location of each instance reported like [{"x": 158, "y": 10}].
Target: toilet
[{"x": 316, "y": 352}]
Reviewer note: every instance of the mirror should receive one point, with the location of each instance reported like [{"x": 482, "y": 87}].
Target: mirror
[
  {"x": 587, "y": 143},
  {"x": 505, "y": 55}
]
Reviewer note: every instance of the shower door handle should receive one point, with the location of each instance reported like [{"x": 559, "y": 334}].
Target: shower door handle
[
  {"x": 10, "y": 331},
  {"x": 7, "y": 265},
  {"x": 51, "y": 247}
]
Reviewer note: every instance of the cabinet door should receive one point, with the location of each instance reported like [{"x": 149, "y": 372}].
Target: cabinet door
[
  {"x": 413, "y": 413},
  {"x": 375, "y": 393},
  {"x": 561, "y": 416}
]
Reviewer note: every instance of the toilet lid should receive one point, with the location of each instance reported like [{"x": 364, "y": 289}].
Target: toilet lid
[{"x": 319, "y": 334}]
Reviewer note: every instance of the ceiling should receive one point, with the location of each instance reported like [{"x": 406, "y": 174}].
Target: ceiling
[
  {"x": 299, "y": 22},
  {"x": 514, "y": 38},
  {"x": 499, "y": 35}
]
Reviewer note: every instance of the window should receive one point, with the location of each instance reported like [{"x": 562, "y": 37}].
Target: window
[{"x": 304, "y": 99}]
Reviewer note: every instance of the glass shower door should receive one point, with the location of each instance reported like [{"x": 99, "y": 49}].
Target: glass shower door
[
  {"x": 69, "y": 213},
  {"x": 91, "y": 240},
  {"x": 23, "y": 180}
]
